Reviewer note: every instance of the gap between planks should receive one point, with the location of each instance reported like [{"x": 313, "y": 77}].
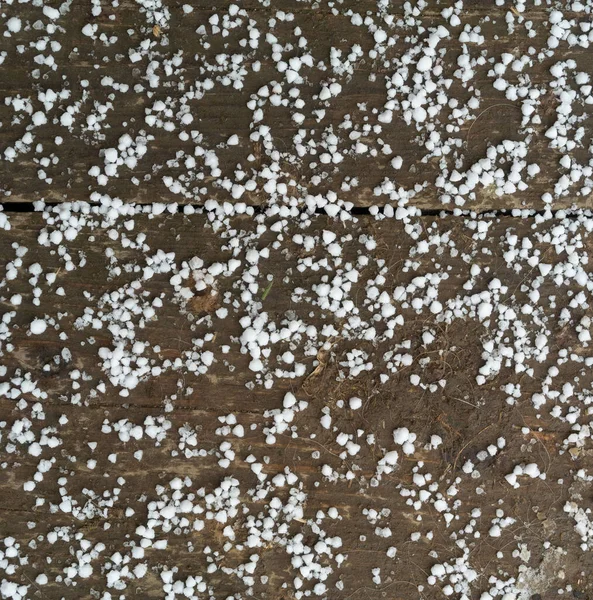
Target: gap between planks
[{"x": 29, "y": 207}]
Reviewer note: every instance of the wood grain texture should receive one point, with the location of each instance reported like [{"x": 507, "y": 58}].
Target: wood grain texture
[
  {"x": 223, "y": 111},
  {"x": 467, "y": 416}
]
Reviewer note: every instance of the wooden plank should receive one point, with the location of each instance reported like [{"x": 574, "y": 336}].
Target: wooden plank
[
  {"x": 223, "y": 112},
  {"x": 467, "y": 416}
]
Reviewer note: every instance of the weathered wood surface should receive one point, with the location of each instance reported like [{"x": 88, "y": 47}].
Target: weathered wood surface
[
  {"x": 223, "y": 112},
  {"x": 468, "y": 417}
]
